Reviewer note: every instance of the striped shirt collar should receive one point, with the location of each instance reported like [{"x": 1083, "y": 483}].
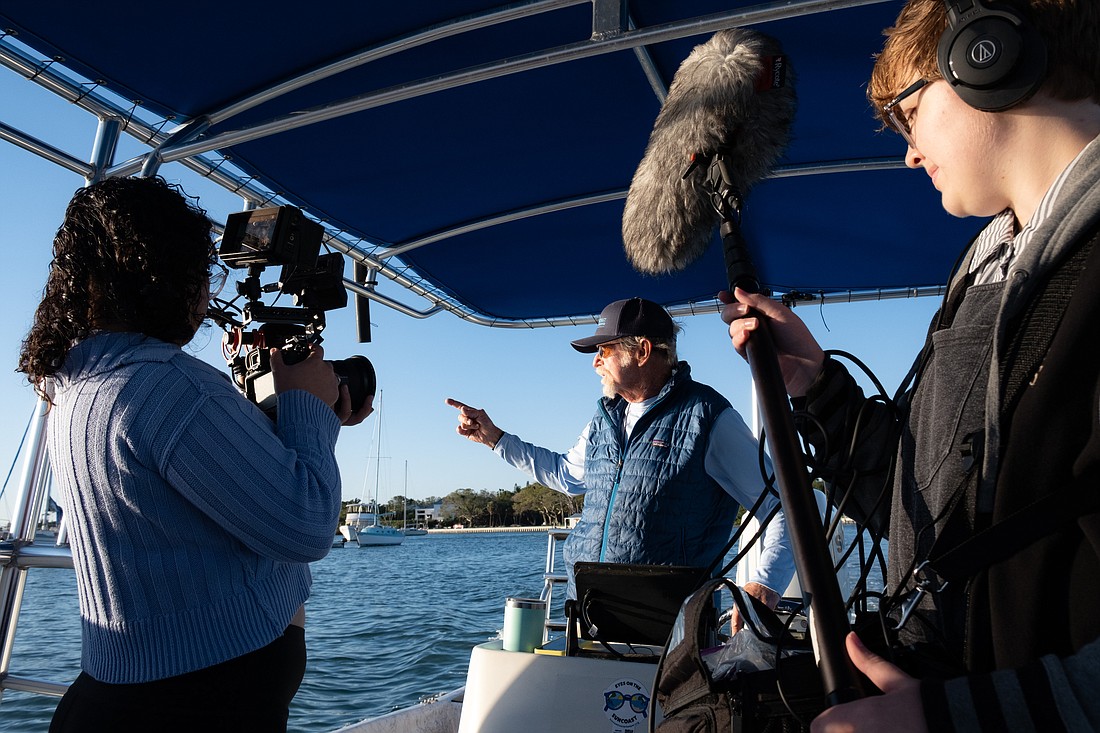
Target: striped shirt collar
[{"x": 998, "y": 245}]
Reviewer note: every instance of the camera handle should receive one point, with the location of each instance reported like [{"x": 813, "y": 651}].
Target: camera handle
[{"x": 296, "y": 349}]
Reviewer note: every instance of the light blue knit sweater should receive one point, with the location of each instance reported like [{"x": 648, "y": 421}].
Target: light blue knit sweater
[{"x": 191, "y": 516}]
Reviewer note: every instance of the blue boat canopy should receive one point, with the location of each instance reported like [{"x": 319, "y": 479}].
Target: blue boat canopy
[{"x": 479, "y": 154}]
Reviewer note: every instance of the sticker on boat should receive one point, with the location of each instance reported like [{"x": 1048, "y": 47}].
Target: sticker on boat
[{"x": 626, "y": 705}]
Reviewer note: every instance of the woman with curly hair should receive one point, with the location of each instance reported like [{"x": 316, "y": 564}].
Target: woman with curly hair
[{"x": 192, "y": 516}]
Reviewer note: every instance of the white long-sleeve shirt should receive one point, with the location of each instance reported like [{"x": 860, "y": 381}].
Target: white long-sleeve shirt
[{"x": 732, "y": 460}]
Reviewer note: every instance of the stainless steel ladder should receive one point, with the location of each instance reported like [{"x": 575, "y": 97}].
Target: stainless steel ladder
[{"x": 551, "y": 578}]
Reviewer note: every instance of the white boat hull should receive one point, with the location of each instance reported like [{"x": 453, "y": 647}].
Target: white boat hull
[
  {"x": 440, "y": 715},
  {"x": 379, "y": 536}
]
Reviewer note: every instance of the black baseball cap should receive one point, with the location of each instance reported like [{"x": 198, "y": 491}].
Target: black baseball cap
[{"x": 630, "y": 317}]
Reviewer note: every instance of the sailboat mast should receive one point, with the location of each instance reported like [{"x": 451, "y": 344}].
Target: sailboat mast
[
  {"x": 405, "y": 496},
  {"x": 378, "y": 458}
]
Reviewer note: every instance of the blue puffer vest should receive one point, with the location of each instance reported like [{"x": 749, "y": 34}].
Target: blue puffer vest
[{"x": 651, "y": 501}]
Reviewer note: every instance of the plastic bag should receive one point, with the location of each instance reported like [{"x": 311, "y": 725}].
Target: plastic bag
[{"x": 744, "y": 652}]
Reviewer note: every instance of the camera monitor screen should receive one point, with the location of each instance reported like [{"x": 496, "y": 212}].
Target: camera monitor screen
[
  {"x": 273, "y": 236},
  {"x": 258, "y": 233}
]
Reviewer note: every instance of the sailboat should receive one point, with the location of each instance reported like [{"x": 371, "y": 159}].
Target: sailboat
[
  {"x": 378, "y": 535},
  {"x": 416, "y": 531},
  {"x": 375, "y": 534}
]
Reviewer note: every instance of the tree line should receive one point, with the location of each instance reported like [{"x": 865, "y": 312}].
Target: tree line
[{"x": 530, "y": 505}]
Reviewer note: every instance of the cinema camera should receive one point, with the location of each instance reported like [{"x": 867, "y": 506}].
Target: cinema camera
[{"x": 282, "y": 236}]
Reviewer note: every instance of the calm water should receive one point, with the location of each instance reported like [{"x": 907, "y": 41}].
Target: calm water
[{"x": 385, "y": 625}]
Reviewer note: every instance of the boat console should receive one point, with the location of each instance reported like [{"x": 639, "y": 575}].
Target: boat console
[{"x": 548, "y": 692}]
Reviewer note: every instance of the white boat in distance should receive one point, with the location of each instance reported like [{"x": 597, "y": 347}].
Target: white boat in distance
[
  {"x": 379, "y": 535},
  {"x": 361, "y": 527},
  {"x": 362, "y": 524}
]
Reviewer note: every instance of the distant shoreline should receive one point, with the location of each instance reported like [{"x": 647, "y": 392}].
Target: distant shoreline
[
  {"x": 543, "y": 528},
  {"x": 484, "y": 530}
]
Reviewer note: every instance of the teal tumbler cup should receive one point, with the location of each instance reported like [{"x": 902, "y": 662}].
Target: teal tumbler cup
[{"x": 524, "y": 619}]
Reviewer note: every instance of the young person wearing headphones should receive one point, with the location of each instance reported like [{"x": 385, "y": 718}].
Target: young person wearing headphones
[{"x": 985, "y": 471}]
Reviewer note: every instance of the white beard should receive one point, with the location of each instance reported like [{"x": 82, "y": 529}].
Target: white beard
[{"x": 612, "y": 388}]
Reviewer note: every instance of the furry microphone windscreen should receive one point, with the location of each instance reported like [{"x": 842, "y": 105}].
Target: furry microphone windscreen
[{"x": 733, "y": 92}]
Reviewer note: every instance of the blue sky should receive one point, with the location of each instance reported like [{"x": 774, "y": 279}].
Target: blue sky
[{"x": 531, "y": 381}]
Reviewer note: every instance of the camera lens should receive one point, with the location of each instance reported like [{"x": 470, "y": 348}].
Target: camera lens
[{"x": 358, "y": 373}]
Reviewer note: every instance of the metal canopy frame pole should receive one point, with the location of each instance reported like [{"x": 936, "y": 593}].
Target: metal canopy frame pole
[
  {"x": 103, "y": 148},
  {"x": 43, "y": 150}
]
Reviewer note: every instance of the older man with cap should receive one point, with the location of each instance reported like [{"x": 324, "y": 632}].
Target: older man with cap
[{"x": 663, "y": 465}]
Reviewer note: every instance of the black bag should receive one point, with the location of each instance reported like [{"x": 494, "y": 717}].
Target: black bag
[{"x": 780, "y": 700}]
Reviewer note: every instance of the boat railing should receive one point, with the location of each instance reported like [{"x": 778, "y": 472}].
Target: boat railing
[
  {"x": 20, "y": 554},
  {"x": 551, "y": 579}
]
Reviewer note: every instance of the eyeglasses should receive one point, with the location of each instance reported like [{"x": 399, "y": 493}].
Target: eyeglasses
[
  {"x": 898, "y": 120},
  {"x": 614, "y": 700},
  {"x": 219, "y": 273},
  {"x": 606, "y": 350}
]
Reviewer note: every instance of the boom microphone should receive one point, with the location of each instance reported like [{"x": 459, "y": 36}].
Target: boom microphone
[
  {"x": 730, "y": 107},
  {"x": 733, "y": 94}
]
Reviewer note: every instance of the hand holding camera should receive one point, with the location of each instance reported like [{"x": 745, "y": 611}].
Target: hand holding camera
[{"x": 312, "y": 374}]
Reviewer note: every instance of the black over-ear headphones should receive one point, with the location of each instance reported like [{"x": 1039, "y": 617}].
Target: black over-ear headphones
[{"x": 990, "y": 55}]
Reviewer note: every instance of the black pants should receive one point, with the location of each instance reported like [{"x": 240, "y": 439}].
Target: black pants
[{"x": 249, "y": 693}]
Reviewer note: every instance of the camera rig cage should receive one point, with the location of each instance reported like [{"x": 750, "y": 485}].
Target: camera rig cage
[{"x": 255, "y": 240}]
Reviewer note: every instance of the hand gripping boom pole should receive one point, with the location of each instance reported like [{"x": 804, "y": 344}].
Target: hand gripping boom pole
[{"x": 821, "y": 592}]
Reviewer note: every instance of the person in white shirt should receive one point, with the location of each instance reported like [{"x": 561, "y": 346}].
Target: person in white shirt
[{"x": 663, "y": 465}]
